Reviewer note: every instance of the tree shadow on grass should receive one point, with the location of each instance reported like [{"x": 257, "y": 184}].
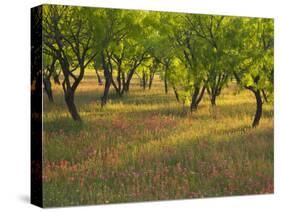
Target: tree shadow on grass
[
  {"x": 88, "y": 97},
  {"x": 222, "y": 111},
  {"x": 230, "y": 141},
  {"x": 63, "y": 124},
  {"x": 206, "y": 112}
]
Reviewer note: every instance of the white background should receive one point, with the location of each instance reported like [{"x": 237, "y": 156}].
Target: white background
[{"x": 15, "y": 102}]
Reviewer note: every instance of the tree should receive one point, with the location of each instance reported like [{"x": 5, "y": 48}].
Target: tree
[
  {"x": 67, "y": 33},
  {"x": 217, "y": 32},
  {"x": 189, "y": 51},
  {"x": 255, "y": 66},
  {"x": 49, "y": 63},
  {"x": 113, "y": 28},
  {"x": 148, "y": 71},
  {"x": 122, "y": 48}
]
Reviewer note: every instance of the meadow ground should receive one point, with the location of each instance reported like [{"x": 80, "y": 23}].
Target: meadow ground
[{"x": 145, "y": 146}]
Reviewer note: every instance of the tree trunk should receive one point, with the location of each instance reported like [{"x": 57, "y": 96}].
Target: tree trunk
[
  {"x": 151, "y": 77},
  {"x": 99, "y": 77},
  {"x": 69, "y": 99},
  {"x": 57, "y": 79},
  {"x": 123, "y": 82},
  {"x": 258, "y": 109},
  {"x": 126, "y": 87},
  {"x": 213, "y": 99},
  {"x": 193, "y": 105},
  {"x": 48, "y": 89},
  {"x": 144, "y": 81},
  {"x": 264, "y": 96},
  {"x": 201, "y": 95},
  {"x": 128, "y": 81},
  {"x": 166, "y": 81},
  {"x": 176, "y": 93},
  {"x": 119, "y": 72},
  {"x": 106, "y": 89}
]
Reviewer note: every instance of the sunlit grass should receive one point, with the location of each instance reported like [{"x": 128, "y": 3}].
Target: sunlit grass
[{"x": 145, "y": 146}]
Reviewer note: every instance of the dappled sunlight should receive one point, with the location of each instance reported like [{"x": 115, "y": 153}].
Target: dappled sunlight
[{"x": 144, "y": 143}]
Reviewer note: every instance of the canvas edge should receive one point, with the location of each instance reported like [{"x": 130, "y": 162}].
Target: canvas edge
[{"x": 36, "y": 188}]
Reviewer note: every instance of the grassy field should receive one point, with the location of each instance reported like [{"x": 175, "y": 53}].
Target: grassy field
[{"x": 144, "y": 146}]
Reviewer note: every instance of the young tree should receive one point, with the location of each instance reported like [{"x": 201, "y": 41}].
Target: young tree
[{"x": 148, "y": 71}]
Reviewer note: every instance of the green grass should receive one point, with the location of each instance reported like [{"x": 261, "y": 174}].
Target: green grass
[{"x": 144, "y": 146}]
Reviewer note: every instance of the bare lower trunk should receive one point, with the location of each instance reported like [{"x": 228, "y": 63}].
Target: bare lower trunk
[
  {"x": 150, "y": 80},
  {"x": 123, "y": 81},
  {"x": 193, "y": 105},
  {"x": 106, "y": 91},
  {"x": 176, "y": 93},
  {"x": 201, "y": 95},
  {"x": 99, "y": 77},
  {"x": 56, "y": 79},
  {"x": 258, "y": 109},
  {"x": 50, "y": 95},
  {"x": 69, "y": 99},
  {"x": 144, "y": 81},
  {"x": 264, "y": 96},
  {"x": 213, "y": 100},
  {"x": 48, "y": 89},
  {"x": 107, "y": 70},
  {"x": 126, "y": 87},
  {"x": 166, "y": 82}
]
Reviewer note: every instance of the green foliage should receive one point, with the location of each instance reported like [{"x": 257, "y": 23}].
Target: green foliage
[{"x": 191, "y": 51}]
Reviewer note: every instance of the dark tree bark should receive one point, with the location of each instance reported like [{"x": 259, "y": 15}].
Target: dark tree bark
[
  {"x": 264, "y": 95},
  {"x": 128, "y": 81},
  {"x": 123, "y": 81},
  {"x": 258, "y": 113},
  {"x": 118, "y": 61},
  {"x": 126, "y": 86},
  {"x": 213, "y": 100},
  {"x": 48, "y": 89},
  {"x": 99, "y": 78},
  {"x": 134, "y": 66},
  {"x": 166, "y": 81},
  {"x": 151, "y": 77},
  {"x": 258, "y": 97},
  {"x": 217, "y": 82},
  {"x": 166, "y": 63},
  {"x": 144, "y": 80},
  {"x": 69, "y": 99},
  {"x": 75, "y": 42},
  {"x": 119, "y": 78},
  {"x": 197, "y": 97},
  {"x": 108, "y": 80},
  {"x": 48, "y": 72},
  {"x": 56, "y": 77},
  {"x": 106, "y": 91},
  {"x": 152, "y": 71},
  {"x": 194, "y": 105},
  {"x": 176, "y": 93},
  {"x": 201, "y": 95}
]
